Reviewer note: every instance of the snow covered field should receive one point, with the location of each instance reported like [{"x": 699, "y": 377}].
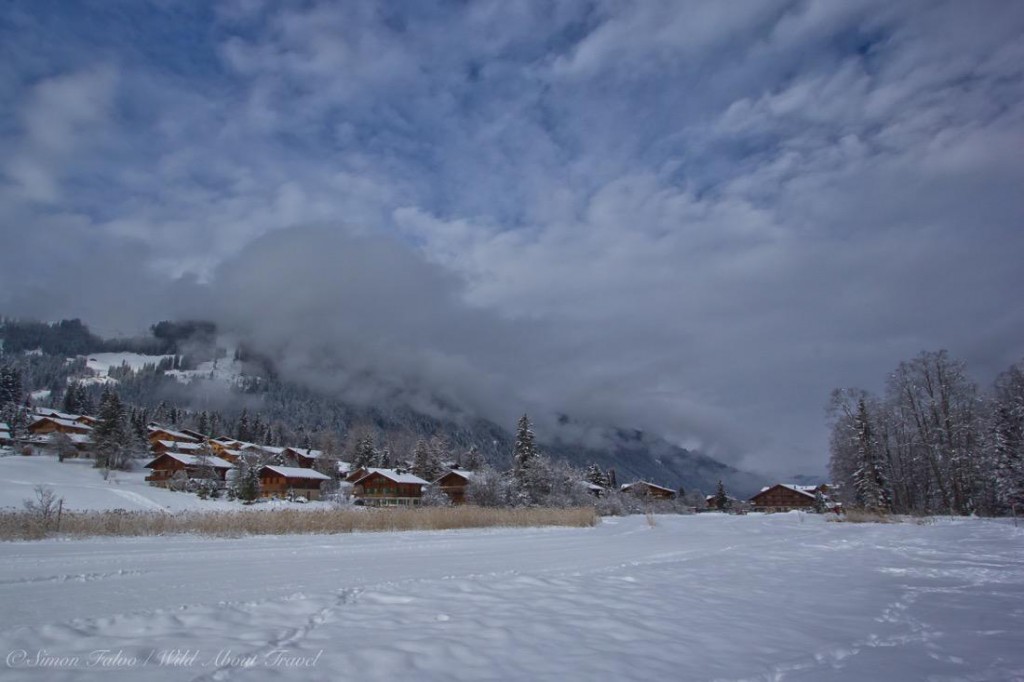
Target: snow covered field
[
  {"x": 83, "y": 487},
  {"x": 785, "y": 597}
]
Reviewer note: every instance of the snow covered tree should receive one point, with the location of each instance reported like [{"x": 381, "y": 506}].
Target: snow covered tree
[
  {"x": 1007, "y": 436},
  {"x": 524, "y": 451},
  {"x": 111, "y": 436},
  {"x": 433, "y": 496},
  {"x": 243, "y": 429},
  {"x": 11, "y": 389},
  {"x": 425, "y": 461},
  {"x": 472, "y": 460},
  {"x": 488, "y": 488},
  {"x": 364, "y": 453},
  {"x": 596, "y": 476},
  {"x": 869, "y": 479}
]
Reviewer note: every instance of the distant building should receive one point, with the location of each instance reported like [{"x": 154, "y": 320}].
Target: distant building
[
  {"x": 42, "y": 426},
  {"x": 653, "y": 490},
  {"x": 168, "y": 464},
  {"x": 454, "y": 483},
  {"x": 783, "y": 497}
]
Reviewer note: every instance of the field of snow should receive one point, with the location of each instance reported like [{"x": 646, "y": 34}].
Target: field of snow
[
  {"x": 83, "y": 487},
  {"x": 710, "y": 597}
]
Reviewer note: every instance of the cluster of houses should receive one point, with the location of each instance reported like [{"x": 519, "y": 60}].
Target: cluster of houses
[{"x": 185, "y": 454}]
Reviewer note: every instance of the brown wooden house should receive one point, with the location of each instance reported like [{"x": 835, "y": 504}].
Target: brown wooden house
[
  {"x": 783, "y": 497},
  {"x": 302, "y": 457},
  {"x": 278, "y": 481},
  {"x": 44, "y": 425},
  {"x": 158, "y": 433},
  {"x": 165, "y": 466},
  {"x": 387, "y": 487},
  {"x": 453, "y": 484},
  {"x": 161, "y": 446},
  {"x": 652, "y": 490}
]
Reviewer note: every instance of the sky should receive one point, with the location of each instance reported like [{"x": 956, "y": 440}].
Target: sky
[{"x": 690, "y": 217}]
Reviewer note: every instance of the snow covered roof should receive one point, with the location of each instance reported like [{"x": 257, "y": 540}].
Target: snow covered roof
[
  {"x": 463, "y": 473},
  {"x": 70, "y": 423},
  {"x": 392, "y": 475},
  {"x": 807, "y": 490},
  {"x": 308, "y": 453},
  {"x": 50, "y": 412},
  {"x": 175, "y": 445},
  {"x": 4, "y": 427},
  {"x": 156, "y": 428},
  {"x": 628, "y": 486},
  {"x": 76, "y": 438},
  {"x": 192, "y": 460},
  {"x": 297, "y": 472}
]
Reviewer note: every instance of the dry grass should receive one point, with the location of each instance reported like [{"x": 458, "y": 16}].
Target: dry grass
[{"x": 24, "y": 526}]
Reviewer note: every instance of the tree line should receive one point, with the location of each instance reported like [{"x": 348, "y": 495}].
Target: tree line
[{"x": 933, "y": 443}]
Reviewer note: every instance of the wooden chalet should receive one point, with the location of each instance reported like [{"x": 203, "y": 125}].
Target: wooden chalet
[
  {"x": 387, "y": 487},
  {"x": 167, "y": 465},
  {"x": 783, "y": 497},
  {"x": 80, "y": 418},
  {"x": 454, "y": 483},
  {"x": 46, "y": 425},
  {"x": 302, "y": 457},
  {"x": 157, "y": 433},
  {"x": 279, "y": 481},
  {"x": 647, "y": 488}
]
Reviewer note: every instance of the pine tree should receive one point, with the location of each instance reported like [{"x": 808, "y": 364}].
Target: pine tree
[
  {"x": 11, "y": 389},
  {"x": 524, "y": 451},
  {"x": 472, "y": 460},
  {"x": 111, "y": 435},
  {"x": 869, "y": 479},
  {"x": 364, "y": 453},
  {"x": 203, "y": 426},
  {"x": 425, "y": 463},
  {"x": 243, "y": 429},
  {"x": 721, "y": 500},
  {"x": 1008, "y": 438},
  {"x": 596, "y": 476}
]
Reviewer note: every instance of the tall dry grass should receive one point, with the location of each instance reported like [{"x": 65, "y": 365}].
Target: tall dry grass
[{"x": 18, "y": 525}]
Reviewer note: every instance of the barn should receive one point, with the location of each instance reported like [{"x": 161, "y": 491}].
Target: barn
[{"x": 783, "y": 497}]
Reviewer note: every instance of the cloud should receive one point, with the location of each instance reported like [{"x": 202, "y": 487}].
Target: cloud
[{"x": 691, "y": 218}]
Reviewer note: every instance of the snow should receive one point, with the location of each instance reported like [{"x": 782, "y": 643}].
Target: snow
[
  {"x": 193, "y": 460},
  {"x": 222, "y": 371},
  {"x": 101, "y": 363},
  {"x": 708, "y": 597}
]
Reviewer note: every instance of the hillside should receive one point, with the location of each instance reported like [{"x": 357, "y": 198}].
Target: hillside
[{"x": 205, "y": 381}]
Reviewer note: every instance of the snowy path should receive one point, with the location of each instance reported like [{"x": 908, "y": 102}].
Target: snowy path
[{"x": 695, "y": 598}]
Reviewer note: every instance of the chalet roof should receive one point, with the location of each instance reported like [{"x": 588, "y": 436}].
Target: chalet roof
[
  {"x": 392, "y": 475},
  {"x": 156, "y": 428},
  {"x": 192, "y": 460},
  {"x": 297, "y": 472},
  {"x": 806, "y": 490},
  {"x": 308, "y": 453},
  {"x": 76, "y": 438},
  {"x": 462, "y": 473},
  {"x": 50, "y": 412},
  {"x": 175, "y": 445},
  {"x": 71, "y": 423},
  {"x": 627, "y": 486},
  {"x": 4, "y": 426}
]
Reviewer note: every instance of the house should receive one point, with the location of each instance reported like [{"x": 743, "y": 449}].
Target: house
[
  {"x": 80, "y": 418},
  {"x": 454, "y": 483},
  {"x": 387, "y": 487},
  {"x": 45, "y": 425},
  {"x": 278, "y": 481},
  {"x": 157, "y": 433},
  {"x": 169, "y": 464},
  {"x": 783, "y": 497},
  {"x": 653, "y": 490},
  {"x": 302, "y": 457}
]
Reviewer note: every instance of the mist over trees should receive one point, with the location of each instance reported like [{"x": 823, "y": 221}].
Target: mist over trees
[{"x": 934, "y": 443}]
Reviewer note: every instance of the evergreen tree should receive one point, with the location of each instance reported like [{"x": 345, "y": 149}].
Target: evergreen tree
[
  {"x": 721, "y": 500},
  {"x": 1008, "y": 438},
  {"x": 820, "y": 506},
  {"x": 425, "y": 462},
  {"x": 243, "y": 429},
  {"x": 111, "y": 435},
  {"x": 11, "y": 389},
  {"x": 524, "y": 451},
  {"x": 869, "y": 479},
  {"x": 596, "y": 476},
  {"x": 472, "y": 460},
  {"x": 364, "y": 453},
  {"x": 203, "y": 425}
]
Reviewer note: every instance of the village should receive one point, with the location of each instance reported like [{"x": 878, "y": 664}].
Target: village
[{"x": 186, "y": 460}]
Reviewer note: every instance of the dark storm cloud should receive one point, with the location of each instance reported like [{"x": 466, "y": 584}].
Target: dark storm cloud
[{"x": 695, "y": 218}]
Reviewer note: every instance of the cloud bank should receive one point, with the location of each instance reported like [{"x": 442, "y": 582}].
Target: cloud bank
[{"x": 693, "y": 218}]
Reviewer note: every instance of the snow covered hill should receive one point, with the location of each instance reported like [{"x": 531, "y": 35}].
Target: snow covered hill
[{"x": 711, "y": 597}]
